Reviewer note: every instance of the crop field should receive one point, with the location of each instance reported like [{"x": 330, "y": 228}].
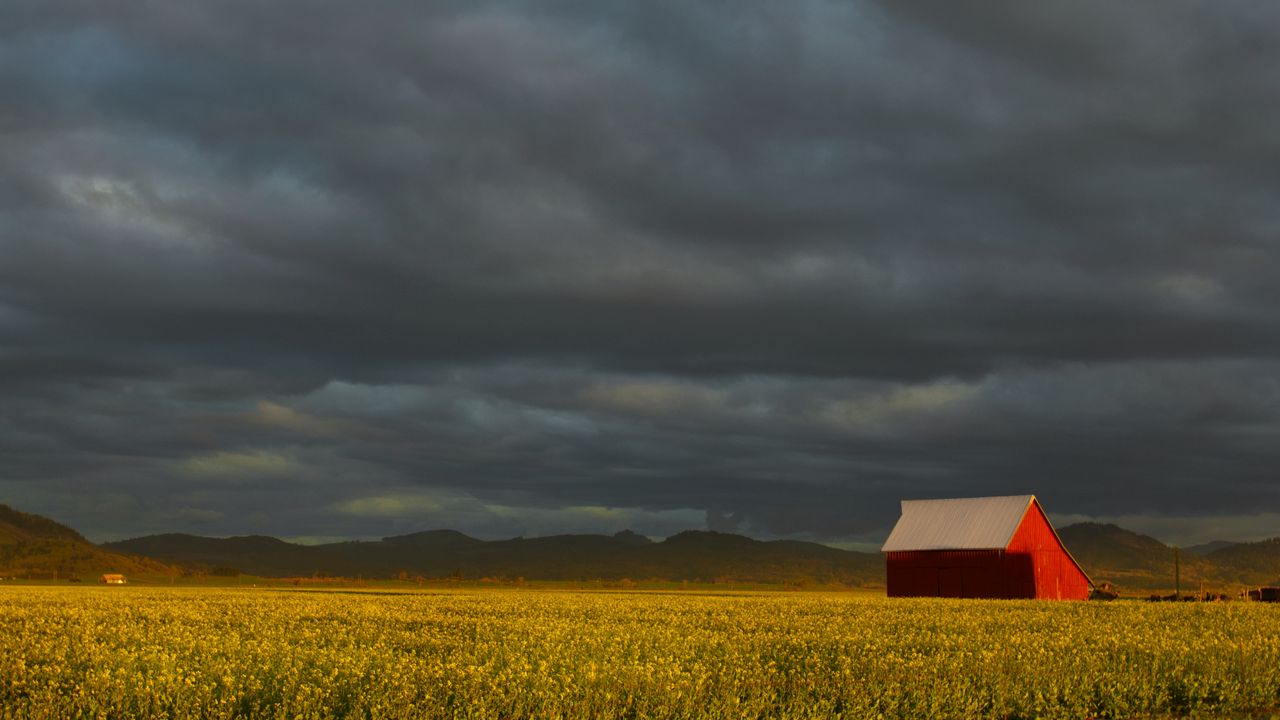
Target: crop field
[{"x": 99, "y": 652}]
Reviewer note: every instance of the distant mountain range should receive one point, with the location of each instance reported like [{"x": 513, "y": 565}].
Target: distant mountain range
[
  {"x": 692, "y": 555},
  {"x": 34, "y": 546}
]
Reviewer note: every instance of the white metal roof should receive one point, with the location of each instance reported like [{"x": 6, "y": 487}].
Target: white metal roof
[{"x": 983, "y": 523}]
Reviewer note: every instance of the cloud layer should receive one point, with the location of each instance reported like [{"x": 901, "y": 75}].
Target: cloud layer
[{"x": 323, "y": 270}]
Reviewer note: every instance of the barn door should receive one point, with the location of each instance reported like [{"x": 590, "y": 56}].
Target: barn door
[
  {"x": 950, "y": 582},
  {"x": 980, "y": 582}
]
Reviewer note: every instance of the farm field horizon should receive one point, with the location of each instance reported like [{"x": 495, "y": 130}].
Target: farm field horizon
[
  {"x": 1230, "y": 592},
  {"x": 138, "y": 651}
]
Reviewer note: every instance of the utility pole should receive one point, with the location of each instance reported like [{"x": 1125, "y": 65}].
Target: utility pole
[{"x": 1177, "y": 575}]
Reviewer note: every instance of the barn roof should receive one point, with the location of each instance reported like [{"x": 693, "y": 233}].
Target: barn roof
[{"x": 984, "y": 523}]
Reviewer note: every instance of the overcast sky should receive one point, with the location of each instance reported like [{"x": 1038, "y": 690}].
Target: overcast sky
[{"x": 335, "y": 270}]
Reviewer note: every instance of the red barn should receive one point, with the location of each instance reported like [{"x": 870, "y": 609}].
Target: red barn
[{"x": 991, "y": 547}]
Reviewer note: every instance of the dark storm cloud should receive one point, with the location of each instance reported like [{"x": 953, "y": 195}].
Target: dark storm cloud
[{"x": 316, "y": 270}]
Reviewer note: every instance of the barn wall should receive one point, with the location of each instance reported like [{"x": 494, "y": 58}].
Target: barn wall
[
  {"x": 959, "y": 573},
  {"x": 1056, "y": 576}
]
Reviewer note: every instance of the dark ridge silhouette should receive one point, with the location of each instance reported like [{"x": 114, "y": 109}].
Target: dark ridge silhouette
[
  {"x": 693, "y": 555},
  {"x": 433, "y": 539},
  {"x": 1206, "y": 548},
  {"x": 17, "y": 526},
  {"x": 36, "y": 547}
]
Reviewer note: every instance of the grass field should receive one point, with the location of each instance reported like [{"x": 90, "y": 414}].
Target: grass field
[{"x": 226, "y": 652}]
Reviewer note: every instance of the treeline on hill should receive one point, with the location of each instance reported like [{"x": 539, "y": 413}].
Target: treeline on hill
[{"x": 35, "y": 547}]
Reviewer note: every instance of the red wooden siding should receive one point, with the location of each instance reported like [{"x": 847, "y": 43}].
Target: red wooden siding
[{"x": 1057, "y": 577}]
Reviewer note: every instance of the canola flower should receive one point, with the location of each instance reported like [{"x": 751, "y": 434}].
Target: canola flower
[{"x": 94, "y": 652}]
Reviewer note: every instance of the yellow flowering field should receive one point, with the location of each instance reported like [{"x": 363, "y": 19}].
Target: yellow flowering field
[{"x": 98, "y": 652}]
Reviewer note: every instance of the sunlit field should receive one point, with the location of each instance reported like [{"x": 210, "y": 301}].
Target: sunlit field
[{"x": 191, "y": 652}]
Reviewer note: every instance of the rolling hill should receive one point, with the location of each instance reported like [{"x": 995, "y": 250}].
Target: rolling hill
[
  {"x": 1110, "y": 553},
  {"x": 1206, "y": 548},
  {"x": 33, "y": 546},
  {"x": 1255, "y": 563}
]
